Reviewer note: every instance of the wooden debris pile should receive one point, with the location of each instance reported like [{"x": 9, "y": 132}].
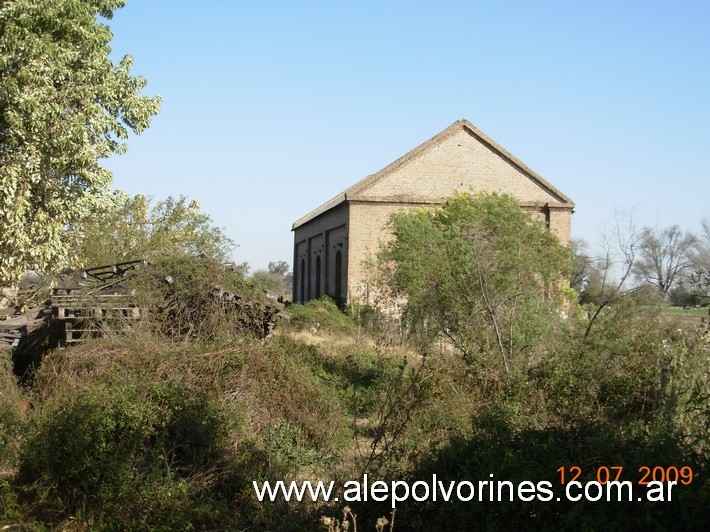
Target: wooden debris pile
[
  {"x": 24, "y": 319},
  {"x": 101, "y": 306},
  {"x": 22, "y": 327},
  {"x": 254, "y": 315},
  {"x": 79, "y": 315},
  {"x": 100, "y": 302}
]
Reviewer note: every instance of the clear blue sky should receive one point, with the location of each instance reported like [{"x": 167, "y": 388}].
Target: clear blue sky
[{"x": 608, "y": 100}]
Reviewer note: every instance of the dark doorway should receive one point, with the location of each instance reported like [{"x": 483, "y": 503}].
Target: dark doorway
[
  {"x": 317, "y": 276},
  {"x": 339, "y": 278}
]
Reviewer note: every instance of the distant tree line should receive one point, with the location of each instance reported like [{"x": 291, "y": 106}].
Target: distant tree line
[{"x": 665, "y": 264}]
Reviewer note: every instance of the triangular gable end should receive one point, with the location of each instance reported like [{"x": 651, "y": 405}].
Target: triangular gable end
[{"x": 460, "y": 158}]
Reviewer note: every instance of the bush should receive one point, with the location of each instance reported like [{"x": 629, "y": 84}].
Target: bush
[
  {"x": 139, "y": 456},
  {"x": 11, "y": 417},
  {"x": 478, "y": 271},
  {"x": 177, "y": 291},
  {"x": 536, "y": 455},
  {"x": 322, "y": 314},
  {"x": 143, "y": 432},
  {"x": 12, "y": 429}
]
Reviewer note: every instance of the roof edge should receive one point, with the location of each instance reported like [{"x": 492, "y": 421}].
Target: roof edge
[
  {"x": 330, "y": 204},
  {"x": 373, "y": 178},
  {"x": 467, "y": 126},
  {"x": 513, "y": 160}
]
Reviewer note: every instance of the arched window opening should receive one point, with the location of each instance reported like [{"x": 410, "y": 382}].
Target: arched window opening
[
  {"x": 317, "y": 276},
  {"x": 339, "y": 278},
  {"x": 303, "y": 281}
]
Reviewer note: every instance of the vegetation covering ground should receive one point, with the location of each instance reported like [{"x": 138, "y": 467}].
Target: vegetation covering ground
[{"x": 154, "y": 432}]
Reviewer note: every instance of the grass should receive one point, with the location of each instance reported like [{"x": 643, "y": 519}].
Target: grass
[{"x": 688, "y": 311}]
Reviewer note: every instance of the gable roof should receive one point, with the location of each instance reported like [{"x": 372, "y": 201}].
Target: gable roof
[{"x": 352, "y": 192}]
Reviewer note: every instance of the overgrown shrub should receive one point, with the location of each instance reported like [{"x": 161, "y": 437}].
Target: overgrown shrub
[
  {"x": 509, "y": 454},
  {"x": 12, "y": 428},
  {"x": 322, "y": 314},
  {"x": 633, "y": 393},
  {"x": 285, "y": 387},
  {"x": 149, "y": 432},
  {"x": 478, "y": 271},
  {"x": 147, "y": 454},
  {"x": 11, "y": 416},
  {"x": 177, "y": 292}
]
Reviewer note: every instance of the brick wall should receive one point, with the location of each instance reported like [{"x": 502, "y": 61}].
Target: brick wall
[
  {"x": 317, "y": 243},
  {"x": 459, "y": 162}
]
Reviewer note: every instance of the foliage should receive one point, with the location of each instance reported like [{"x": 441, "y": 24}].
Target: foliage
[
  {"x": 401, "y": 398},
  {"x": 279, "y": 374},
  {"x": 611, "y": 272},
  {"x": 177, "y": 290},
  {"x": 149, "y": 432},
  {"x": 699, "y": 284},
  {"x": 613, "y": 375},
  {"x": 64, "y": 106},
  {"x": 634, "y": 393},
  {"x": 349, "y": 522},
  {"x": 686, "y": 405},
  {"x": 498, "y": 451},
  {"x": 128, "y": 432},
  {"x": 323, "y": 314},
  {"x": 479, "y": 271},
  {"x": 11, "y": 417},
  {"x": 132, "y": 229},
  {"x": 700, "y": 255},
  {"x": 582, "y": 267},
  {"x": 123, "y": 456},
  {"x": 278, "y": 268}
]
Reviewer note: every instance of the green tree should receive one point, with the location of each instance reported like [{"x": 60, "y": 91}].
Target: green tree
[
  {"x": 478, "y": 271},
  {"x": 133, "y": 229},
  {"x": 64, "y": 106},
  {"x": 278, "y": 268},
  {"x": 698, "y": 285},
  {"x": 277, "y": 278}
]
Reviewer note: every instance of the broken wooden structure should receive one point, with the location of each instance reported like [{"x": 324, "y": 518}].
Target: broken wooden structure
[
  {"x": 16, "y": 329},
  {"x": 80, "y": 316},
  {"x": 254, "y": 315},
  {"x": 101, "y": 306},
  {"x": 100, "y": 302}
]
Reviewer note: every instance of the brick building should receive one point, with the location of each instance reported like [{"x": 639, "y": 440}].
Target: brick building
[{"x": 332, "y": 242}]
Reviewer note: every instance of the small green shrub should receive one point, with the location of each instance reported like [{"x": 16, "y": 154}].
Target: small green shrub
[
  {"x": 323, "y": 314},
  {"x": 290, "y": 389}
]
